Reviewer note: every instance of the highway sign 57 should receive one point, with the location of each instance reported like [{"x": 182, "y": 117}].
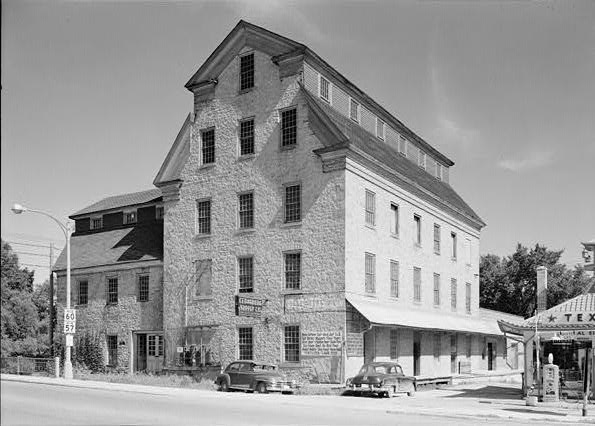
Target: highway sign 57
[{"x": 69, "y": 321}]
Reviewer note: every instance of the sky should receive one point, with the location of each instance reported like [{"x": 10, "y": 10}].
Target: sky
[{"x": 93, "y": 96}]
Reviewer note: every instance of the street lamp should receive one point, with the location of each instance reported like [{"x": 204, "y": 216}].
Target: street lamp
[{"x": 67, "y": 230}]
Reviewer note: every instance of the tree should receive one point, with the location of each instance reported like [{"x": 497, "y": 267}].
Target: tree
[
  {"x": 508, "y": 284},
  {"x": 24, "y": 330}
]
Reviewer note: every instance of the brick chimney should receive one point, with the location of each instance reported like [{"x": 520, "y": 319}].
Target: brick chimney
[{"x": 541, "y": 289}]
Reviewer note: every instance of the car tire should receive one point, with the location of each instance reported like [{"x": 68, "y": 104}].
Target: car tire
[
  {"x": 411, "y": 391},
  {"x": 223, "y": 386},
  {"x": 261, "y": 387}
]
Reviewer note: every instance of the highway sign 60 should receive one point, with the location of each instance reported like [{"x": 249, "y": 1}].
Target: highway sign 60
[{"x": 69, "y": 321}]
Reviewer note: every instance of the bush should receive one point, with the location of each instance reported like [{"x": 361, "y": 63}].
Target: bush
[{"x": 88, "y": 353}]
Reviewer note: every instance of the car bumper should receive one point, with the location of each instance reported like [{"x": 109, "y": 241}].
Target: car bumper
[
  {"x": 280, "y": 387},
  {"x": 365, "y": 388}
]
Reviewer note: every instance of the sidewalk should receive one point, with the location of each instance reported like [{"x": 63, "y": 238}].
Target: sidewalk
[{"x": 469, "y": 401}]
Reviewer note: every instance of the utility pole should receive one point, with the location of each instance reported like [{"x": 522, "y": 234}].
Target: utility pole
[{"x": 51, "y": 299}]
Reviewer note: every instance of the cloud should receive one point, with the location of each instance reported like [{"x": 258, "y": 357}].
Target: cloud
[
  {"x": 452, "y": 134},
  {"x": 531, "y": 161}
]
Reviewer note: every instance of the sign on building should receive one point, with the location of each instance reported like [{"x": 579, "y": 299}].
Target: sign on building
[
  {"x": 321, "y": 343},
  {"x": 69, "y": 321},
  {"x": 355, "y": 344},
  {"x": 249, "y": 307}
]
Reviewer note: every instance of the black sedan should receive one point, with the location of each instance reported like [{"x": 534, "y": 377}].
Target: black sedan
[{"x": 381, "y": 378}]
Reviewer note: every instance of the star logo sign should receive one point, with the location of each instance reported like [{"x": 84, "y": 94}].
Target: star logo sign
[{"x": 551, "y": 318}]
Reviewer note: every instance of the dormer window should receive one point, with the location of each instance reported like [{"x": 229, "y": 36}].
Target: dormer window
[
  {"x": 129, "y": 217},
  {"x": 438, "y": 170},
  {"x": 325, "y": 89},
  {"x": 159, "y": 213},
  {"x": 246, "y": 72},
  {"x": 422, "y": 159},
  {"x": 354, "y": 110},
  {"x": 402, "y": 145},
  {"x": 96, "y": 222}
]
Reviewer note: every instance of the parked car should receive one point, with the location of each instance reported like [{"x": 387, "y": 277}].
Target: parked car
[
  {"x": 255, "y": 377},
  {"x": 381, "y": 378}
]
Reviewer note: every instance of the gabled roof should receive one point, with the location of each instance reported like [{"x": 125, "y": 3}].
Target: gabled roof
[
  {"x": 143, "y": 242},
  {"x": 349, "y": 135},
  {"x": 171, "y": 169},
  {"x": 119, "y": 201},
  {"x": 278, "y": 46}
]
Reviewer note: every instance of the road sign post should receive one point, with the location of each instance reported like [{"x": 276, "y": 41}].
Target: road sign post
[{"x": 69, "y": 325}]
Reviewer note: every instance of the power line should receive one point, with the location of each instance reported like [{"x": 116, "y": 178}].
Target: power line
[
  {"x": 33, "y": 245},
  {"x": 28, "y": 253},
  {"x": 33, "y": 265},
  {"x": 33, "y": 238}
]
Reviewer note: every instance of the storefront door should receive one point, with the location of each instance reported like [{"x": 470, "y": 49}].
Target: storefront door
[
  {"x": 141, "y": 352},
  {"x": 154, "y": 352},
  {"x": 491, "y": 357},
  {"x": 453, "y": 353},
  {"x": 416, "y": 353}
]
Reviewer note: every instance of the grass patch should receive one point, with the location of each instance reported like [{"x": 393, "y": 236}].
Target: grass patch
[{"x": 146, "y": 379}]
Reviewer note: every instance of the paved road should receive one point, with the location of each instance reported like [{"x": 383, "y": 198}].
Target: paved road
[{"x": 36, "y": 404}]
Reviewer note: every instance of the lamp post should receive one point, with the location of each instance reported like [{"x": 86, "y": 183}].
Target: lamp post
[{"x": 67, "y": 230}]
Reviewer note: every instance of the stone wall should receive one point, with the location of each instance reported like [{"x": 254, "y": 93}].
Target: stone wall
[
  {"x": 319, "y": 236},
  {"x": 121, "y": 319}
]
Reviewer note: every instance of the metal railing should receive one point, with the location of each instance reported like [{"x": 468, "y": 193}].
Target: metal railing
[{"x": 30, "y": 366}]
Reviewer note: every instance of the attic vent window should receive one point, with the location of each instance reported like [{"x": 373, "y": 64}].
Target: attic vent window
[
  {"x": 325, "y": 89},
  {"x": 379, "y": 129},
  {"x": 403, "y": 145},
  {"x": 354, "y": 110},
  {"x": 129, "y": 217},
  {"x": 438, "y": 171},
  {"x": 246, "y": 72}
]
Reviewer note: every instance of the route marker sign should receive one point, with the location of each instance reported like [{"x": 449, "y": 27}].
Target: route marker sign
[{"x": 69, "y": 321}]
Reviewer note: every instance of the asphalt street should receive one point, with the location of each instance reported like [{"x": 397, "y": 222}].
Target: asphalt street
[{"x": 41, "y": 404}]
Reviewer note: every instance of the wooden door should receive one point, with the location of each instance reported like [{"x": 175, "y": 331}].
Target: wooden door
[
  {"x": 154, "y": 352},
  {"x": 491, "y": 357},
  {"x": 141, "y": 352},
  {"x": 416, "y": 353},
  {"x": 453, "y": 353}
]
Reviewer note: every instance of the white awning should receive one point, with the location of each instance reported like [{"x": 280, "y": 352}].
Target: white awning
[{"x": 387, "y": 313}]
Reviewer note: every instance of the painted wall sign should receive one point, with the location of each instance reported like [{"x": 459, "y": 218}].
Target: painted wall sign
[
  {"x": 355, "y": 344},
  {"x": 313, "y": 303},
  {"x": 321, "y": 343},
  {"x": 249, "y": 307},
  {"x": 566, "y": 318}
]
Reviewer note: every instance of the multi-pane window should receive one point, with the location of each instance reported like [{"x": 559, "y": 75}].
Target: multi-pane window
[
  {"x": 370, "y": 273},
  {"x": 203, "y": 216},
  {"x": 246, "y": 71},
  {"x": 245, "y": 343},
  {"x": 246, "y": 274},
  {"x": 203, "y": 277},
  {"x": 293, "y": 266},
  {"x": 246, "y": 202},
  {"x": 129, "y": 217},
  {"x": 83, "y": 292},
  {"x": 453, "y": 240},
  {"x": 468, "y": 298},
  {"x": 208, "y": 146},
  {"x": 417, "y": 230},
  {"x": 96, "y": 222},
  {"x": 417, "y": 284},
  {"x": 112, "y": 290},
  {"x": 354, "y": 110},
  {"x": 394, "y": 278},
  {"x": 293, "y": 203},
  {"x": 247, "y": 137},
  {"x": 325, "y": 89},
  {"x": 112, "y": 350},
  {"x": 292, "y": 343},
  {"x": 370, "y": 208},
  {"x": 436, "y": 238},
  {"x": 379, "y": 129},
  {"x": 436, "y": 289},
  {"x": 152, "y": 345},
  {"x": 394, "y": 344},
  {"x": 394, "y": 224},
  {"x": 437, "y": 345},
  {"x": 159, "y": 345},
  {"x": 402, "y": 145},
  {"x": 421, "y": 160},
  {"x": 159, "y": 213},
  {"x": 289, "y": 127},
  {"x": 469, "y": 345},
  {"x": 438, "y": 170},
  {"x": 453, "y": 294},
  {"x": 143, "y": 288}
]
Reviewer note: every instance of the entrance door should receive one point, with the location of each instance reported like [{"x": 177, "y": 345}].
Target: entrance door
[
  {"x": 154, "y": 352},
  {"x": 453, "y": 353},
  {"x": 141, "y": 352},
  {"x": 491, "y": 356},
  {"x": 416, "y": 353}
]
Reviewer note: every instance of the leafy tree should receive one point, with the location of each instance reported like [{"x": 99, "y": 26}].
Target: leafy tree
[
  {"x": 508, "y": 284},
  {"x": 22, "y": 333}
]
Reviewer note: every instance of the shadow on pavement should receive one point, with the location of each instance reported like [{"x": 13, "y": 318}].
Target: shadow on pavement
[
  {"x": 526, "y": 410},
  {"x": 491, "y": 392}
]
